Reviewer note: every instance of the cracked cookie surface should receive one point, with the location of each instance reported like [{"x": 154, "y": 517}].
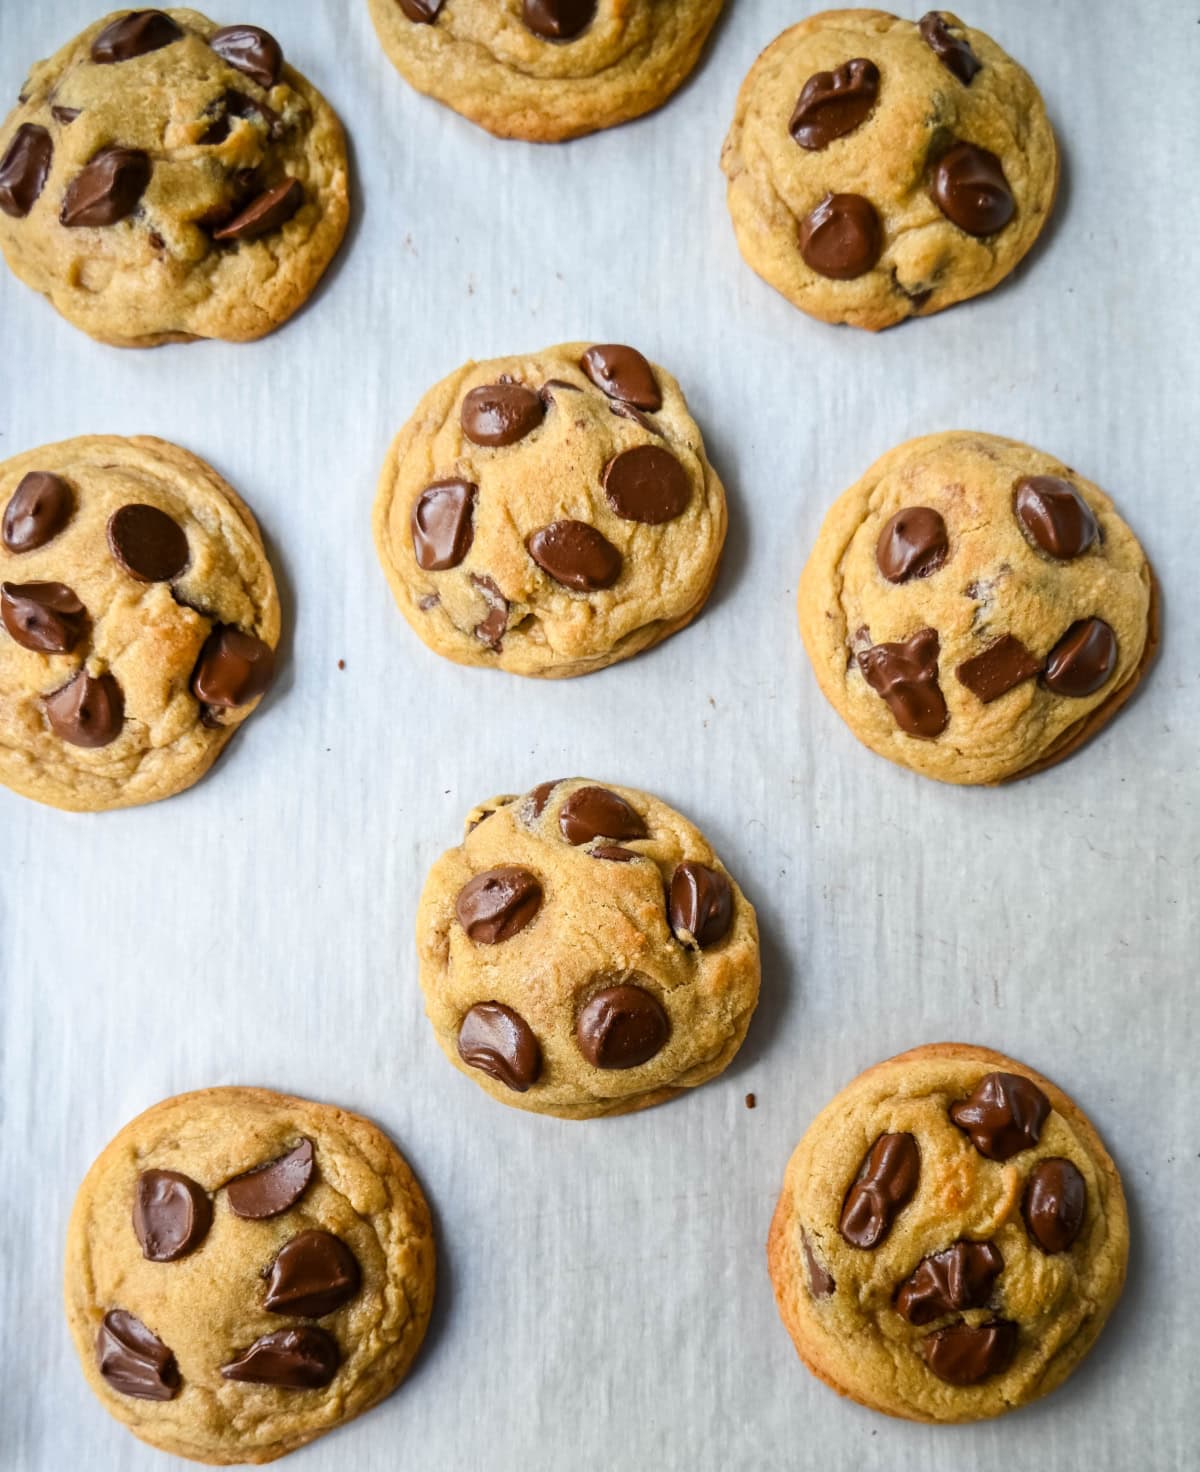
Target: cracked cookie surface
[{"x": 163, "y": 178}]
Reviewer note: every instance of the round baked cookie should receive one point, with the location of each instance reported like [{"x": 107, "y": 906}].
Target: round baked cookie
[
  {"x": 545, "y": 70},
  {"x": 138, "y": 621},
  {"x": 950, "y": 1238},
  {"x": 881, "y": 168},
  {"x": 164, "y": 179},
  {"x": 975, "y": 610},
  {"x": 246, "y": 1271},
  {"x": 584, "y": 952},
  {"x": 550, "y": 514}
]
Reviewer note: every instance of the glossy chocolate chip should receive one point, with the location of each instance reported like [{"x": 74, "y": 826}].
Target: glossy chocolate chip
[
  {"x": 970, "y": 189},
  {"x": 133, "y": 1360},
  {"x": 963, "y": 1354},
  {"x": 44, "y": 617},
  {"x": 498, "y": 904},
  {"x": 65, "y": 116},
  {"x": 135, "y": 34},
  {"x": 423, "y": 12},
  {"x": 575, "y": 555},
  {"x": 947, "y": 1282},
  {"x": 24, "y": 168},
  {"x": 624, "y": 374},
  {"x": 832, "y": 104},
  {"x": 647, "y": 484},
  {"x": 1003, "y": 1115},
  {"x": 314, "y": 1274},
  {"x": 701, "y": 904},
  {"x": 150, "y": 545},
  {"x": 269, "y": 1189},
  {"x": 171, "y": 1214},
  {"x": 1054, "y": 1204},
  {"x": 558, "y": 20},
  {"x": 627, "y": 411},
  {"x": 842, "y": 238},
  {"x": 39, "y": 508},
  {"x": 820, "y": 1280},
  {"x": 498, "y": 414},
  {"x": 500, "y": 1043},
  {"x": 250, "y": 50},
  {"x": 107, "y": 189},
  {"x": 886, "y": 1183},
  {"x": 443, "y": 525},
  {"x": 540, "y": 796},
  {"x": 1000, "y": 667},
  {"x": 905, "y": 676},
  {"x": 621, "y": 1027},
  {"x": 613, "y": 853},
  {"x": 1082, "y": 660},
  {"x": 490, "y": 630},
  {"x": 265, "y": 212},
  {"x": 595, "y": 812},
  {"x": 89, "y": 710},
  {"x": 293, "y": 1359},
  {"x": 954, "y": 52},
  {"x": 913, "y": 544},
  {"x": 234, "y": 668},
  {"x": 1054, "y": 516}
]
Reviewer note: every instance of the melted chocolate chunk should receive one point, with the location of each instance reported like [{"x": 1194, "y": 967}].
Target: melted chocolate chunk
[
  {"x": 64, "y": 116},
  {"x": 886, "y": 1183},
  {"x": 1000, "y": 667},
  {"x": 39, "y": 508},
  {"x": 842, "y": 238},
  {"x": 44, "y": 617},
  {"x": 595, "y": 812},
  {"x": 1054, "y": 516},
  {"x": 540, "y": 796},
  {"x": 621, "y": 1027},
  {"x": 913, "y": 544},
  {"x": 958, "y": 1278},
  {"x": 314, "y": 1274},
  {"x": 269, "y": 1189},
  {"x": 422, "y": 12},
  {"x": 821, "y": 1282},
  {"x": 701, "y": 905},
  {"x": 832, "y": 104},
  {"x": 497, "y": 414},
  {"x": 1003, "y": 1115},
  {"x": 24, "y": 169},
  {"x": 498, "y": 904},
  {"x": 970, "y": 189},
  {"x": 647, "y": 484},
  {"x": 575, "y": 555},
  {"x": 624, "y": 374},
  {"x": 267, "y": 211},
  {"x": 954, "y": 52},
  {"x": 963, "y": 1355},
  {"x": 293, "y": 1359},
  {"x": 147, "y": 543},
  {"x": 905, "y": 676},
  {"x": 613, "y": 852},
  {"x": 500, "y": 1043},
  {"x": 133, "y": 1360},
  {"x": 443, "y": 526},
  {"x": 135, "y": 34},
  {"x": 107, "y": 189},
  {"x": 1054, "y": 1204},
  {"x": 233, "y": 669},
  {"x": 171, "y": 1214},
  {"x": 1083, "y": 659},
  {"x": 89, "y": 710},
  {"x": 251, "y": 50},
  {"x": 558, "y": 20},
  {"x": 490, "y": 630}
]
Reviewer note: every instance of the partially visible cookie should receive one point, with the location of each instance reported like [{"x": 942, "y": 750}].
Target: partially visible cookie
[
  {"x": 881, "y": 168},
  {"x": 545, "y": 70},
  {"x": 550, "y": 514},
  {"x": 950, "y": 1238},
  {"x": 245, "y": 1271},
  {"x": 584, "y": 952},
  {"x": 138, "y": 621},
  {"x": 163, "y": 178},
  {"x": 975, "y": 610}
]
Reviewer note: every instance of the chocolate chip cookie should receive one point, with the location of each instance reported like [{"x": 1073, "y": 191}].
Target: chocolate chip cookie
[
  {"x": 584, "y": 952},
  {"x": 545, "y": 70},
  {"x": 245, "y": 1271},
  {"x": 975, "y": 610},
  {"x": 950, "y": 1238},
  {"x": 881, "y": 168},
  {"x": 138, "y": 621},
  {"x": 163, "y": 178},
  {"x": 550, "y": 514}
]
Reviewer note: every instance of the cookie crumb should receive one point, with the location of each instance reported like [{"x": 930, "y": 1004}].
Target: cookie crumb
[
  {"x": 341, "y": 664},
  {"x": 751, "y": 1101}
]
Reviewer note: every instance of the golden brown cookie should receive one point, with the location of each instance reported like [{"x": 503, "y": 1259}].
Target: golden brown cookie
[
  {"x": 950, "y": 1238},
  {"x": 974, "y": 609},
  {"x": 550, "y": 514},
  {"x": 584, "y": 952},
  {"x": 881, "y": 168},
  {"x": 245, "y": 1271},
  {"x": 163, "y": 179},
  {"x": 138, "y": 621}
]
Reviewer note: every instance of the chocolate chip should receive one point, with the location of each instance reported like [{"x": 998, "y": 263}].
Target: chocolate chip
[
  {"x": 24, "y": 168},
  {"x": 595, "y": 812},
  {"x": 490, "y": 630},
  {"x": 832, "y": 104},
  {"x": 622, "y": 373},
  {"x": 842, "y": 238},
  {"x": 613, "y": 852},
  {"x": 954, "y": 52},
  {"x": 913, "y": 544},
  {"x": 540, "y": 796},
  {"x": 293, "y": 1359},
  {"x": 965, "y": 1355},
  {"x": 970, "y": 189},
  {"x": 251, "y": 50},
  {"x": 236, "y": 105},
  {"x": 147, "y": 543},
  {"x": 558, "y": 20},
  {"x": 133, "y": 1360},
  {"x": 1082, "y": 660},
  {"x": 45, "y": 617},
  {"x": 443, "y": 526},
  {"x": 621, "y": 1027},
  {"x": 556, "y": 385},
  {"x": 1054, "y": 1204},
  {"x": 270, "y": 1189},
  {"x": 886, "y": 1183},
  {"x": 500, "y": 413},
  {"x": 1003, "y": 1115},
  {"x": 266, "y": 212},
  {"x": 89, "y": 710},
  {"x": 1003, "y": 665},
  {"x": 500, "y": 1043},
  {"x": 171, "y": 1214},
  {"x": 958, "y": 1278},
  {"x": 576, "y": 555},
  {"x": 498, "y": 904},
  {"x": 701, "y": 905},
  {"x": 107, "y": 189},
  {"x": 627, "y": 411},
  {"x": 820, "y": 1280},
  {"x": 905, "y": 676},
  {"x": 1054, "y": 516},
  {"x": 314, "y": 1274},
  {"x": 39, "y": 508},
  {"x": 423, "y": 12},
  {"x": 65, "y": 116},
  {"x": 135, "y": 34},
  {"x": 233, "y": 668},
  {"x": 647, "y": 484}
]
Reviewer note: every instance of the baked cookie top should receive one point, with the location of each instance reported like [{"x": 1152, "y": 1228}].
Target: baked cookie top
[
  {"x": 974, "y": 609},
  {"x": 950, "y": 1238},
  {"x": 552, "y": 513},
  {"x": 584, "y": 952},
  {"x": 163, "y": 178},
  {"x": 545, "y": 70},
  {"x": 881, "y": 168},
  {"x": 246, "y": 1271},
  {"x": 138, "y": 621}
]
